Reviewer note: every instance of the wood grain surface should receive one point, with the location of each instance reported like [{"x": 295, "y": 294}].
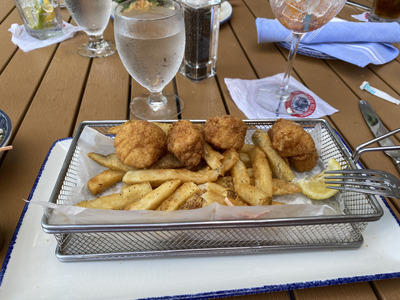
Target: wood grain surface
[{"x": 49, "y": 91}]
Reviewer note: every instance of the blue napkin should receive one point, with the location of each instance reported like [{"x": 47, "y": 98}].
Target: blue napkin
[{"x": 354, "y": 42}]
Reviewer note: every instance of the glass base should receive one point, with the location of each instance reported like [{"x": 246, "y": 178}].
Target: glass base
[
  {"x": 141, "y": 108},
  {"x": 102, "y": 49},
  {"x": 294, "y": 103},
  {"x": 270, "y": 98},
  {"x": 374, "y": 18}
]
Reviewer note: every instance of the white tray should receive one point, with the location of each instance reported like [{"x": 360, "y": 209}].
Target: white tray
[{"x": 32, "y": 271}]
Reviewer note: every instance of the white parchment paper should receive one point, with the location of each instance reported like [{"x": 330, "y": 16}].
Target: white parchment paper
[{"x": 297, "y": 205}]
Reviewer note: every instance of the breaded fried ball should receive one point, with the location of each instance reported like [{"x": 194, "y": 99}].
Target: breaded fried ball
[
  {"x": 185, "y": 140},
  {"x": 290, "y": 139},
  {"x": 303, "y": 163},
  {"x": 225, "y": 132},
  {"x": 140, "y": 144}
]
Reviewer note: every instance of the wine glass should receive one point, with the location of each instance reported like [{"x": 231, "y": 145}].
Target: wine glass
[
  {"x": 299, "y": 16},
  {"x": 150, "y": 39},
  {"x": 93, "y": 16}
]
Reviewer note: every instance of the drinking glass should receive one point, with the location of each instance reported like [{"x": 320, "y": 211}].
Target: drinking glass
[
  {"x": 93, "y": 17},
  {"x": 385, "y": 11},
  {"x": 42, "y": 18},
  {"x": 150, "y": 38},
  {"x": 299, "y": 16}
]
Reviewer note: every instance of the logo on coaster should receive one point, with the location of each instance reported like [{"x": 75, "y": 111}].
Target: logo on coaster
[{"x": 301, "y": 104}]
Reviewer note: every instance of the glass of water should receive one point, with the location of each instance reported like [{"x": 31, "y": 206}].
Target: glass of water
[
  {"x": 93, "y": 17},
  {"x": 150, "y": 38}
]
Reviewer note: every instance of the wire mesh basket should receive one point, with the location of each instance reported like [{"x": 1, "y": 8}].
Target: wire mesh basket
[{"x": 80, "y": 242}]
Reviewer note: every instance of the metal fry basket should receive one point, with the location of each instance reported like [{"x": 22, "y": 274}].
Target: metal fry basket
[{"x": 85, "y": 242}]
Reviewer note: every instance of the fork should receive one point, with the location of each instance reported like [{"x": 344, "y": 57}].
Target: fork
[{"x": 366, "y": 181}]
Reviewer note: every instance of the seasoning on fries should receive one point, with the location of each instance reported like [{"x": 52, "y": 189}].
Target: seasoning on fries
[{"x": 252, "y": 175}]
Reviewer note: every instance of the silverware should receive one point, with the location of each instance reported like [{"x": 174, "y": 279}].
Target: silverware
[
  {"x": 381, "y": 133},
  {"x": 366, "y": 181}
]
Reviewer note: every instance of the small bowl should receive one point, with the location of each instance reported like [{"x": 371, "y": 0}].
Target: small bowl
[{"x": 5, "y": 126}]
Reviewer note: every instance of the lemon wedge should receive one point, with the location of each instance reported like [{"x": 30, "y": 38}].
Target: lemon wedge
[
  {"x": 46, "y": 15},
  {"x": 315, "y": 187},
  {"x": 31, "y": 14}
]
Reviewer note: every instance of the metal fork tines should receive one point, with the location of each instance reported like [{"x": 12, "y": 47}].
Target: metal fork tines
[{"x": 367, "y": 181}]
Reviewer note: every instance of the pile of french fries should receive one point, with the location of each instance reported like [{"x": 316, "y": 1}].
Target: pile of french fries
[{"x": 248, "y": 177}]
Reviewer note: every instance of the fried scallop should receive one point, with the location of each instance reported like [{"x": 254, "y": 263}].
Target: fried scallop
[
  {"x": 290, "y": 139},
  {"x": 225, "y": 132},
  {"x": 140, "y": 144},
  {"x": 185, "y": 140},
  {"x": 303, "y": 163}
]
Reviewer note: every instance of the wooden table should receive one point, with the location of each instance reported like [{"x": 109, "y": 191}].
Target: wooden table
[{"x": 48, "y": 92}]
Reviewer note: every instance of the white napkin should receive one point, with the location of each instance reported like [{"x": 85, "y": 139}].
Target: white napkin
[
  {"x": 242, "y": 92},
  {"x": 26, "y": 42},
  {"x": 355, "y": 42},
  {"x": 362, "y": 17}
]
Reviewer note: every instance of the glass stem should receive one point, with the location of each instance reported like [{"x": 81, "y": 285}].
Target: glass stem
[
  {"x": 284, "y": 89},
  {"x": 96, "y": 42},
  {"x": 156, "y": 100}
]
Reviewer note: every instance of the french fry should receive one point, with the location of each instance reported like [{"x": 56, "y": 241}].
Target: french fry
[
  {"x": 193, "y": 202},
  {"x": 262, "y": 171},
  {"x": 166, "y": 127},
  {"x": 115, "y": 129},
  {"x": 153, "y": 199},
  {"x": 211, "y": 196},
  {"x": 279, "y": 167},
  {"x": 283, "y": 187},
  {"x": 245, "y": 158},
  {"x": 239, "y": 174},
  {"x": 215, "y": 187},
  {"x": 235, "y": 201},
  {"x": 226, "y": 181},
  {"x": 161, "y": 175},
  {"x": 277, "y": 203},
  {"x": 110, "y": 161},
  {"x": 252, "y": 195},
  {"x": 104, "y": 202},
  {"x": 118, "y": 201},
  {"x": 135, "y": 191},
  {"x": 211, "y": 156},
  {"x": 104, "y": 180},
  {"x": 247, "y": 148},
  {"x": 185, "y": 191},
  {"x": 231, "y": 157},
  {"x": 168, "y": 161}
]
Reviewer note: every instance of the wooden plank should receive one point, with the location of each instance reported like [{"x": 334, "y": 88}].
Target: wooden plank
[
  {"x": 389, "y": 74},
  {"x": 232, "y": 62},
  {"x": 6, "y": 6},
  {"x": 203, "y": 99},
  {"x": 106, "y": 94},
  {"x": 387, "y": 289},
  {"x": 265, "y": 58},
  {"x": 354, "y": 291},
  {"x": 8, "y": 47},
  {"x": 20, "y": 79},
  {"x": 264, "y": 296},
  {"x": 396, "y": 206}
]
